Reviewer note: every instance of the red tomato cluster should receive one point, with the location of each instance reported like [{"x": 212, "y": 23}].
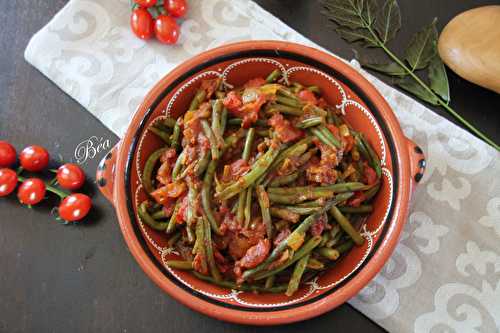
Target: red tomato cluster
[
  {"x": 153, "y": 18},
  {"x": 73, "y": 206}
]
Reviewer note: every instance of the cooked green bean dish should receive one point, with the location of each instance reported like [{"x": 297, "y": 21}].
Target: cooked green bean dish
[{"x": 259, "y": 188}]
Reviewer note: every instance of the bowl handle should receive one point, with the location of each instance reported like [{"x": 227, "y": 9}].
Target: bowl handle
[
  {"x": 417, "y": 163},
  {"x": 105, "y": 176}
]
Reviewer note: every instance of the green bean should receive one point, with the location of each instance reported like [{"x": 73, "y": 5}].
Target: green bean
[
  {"x": 169, "y": 122},
  {"x": 298, "y": 271},
  {"x": 284, "y": 180},
  {"x": 368, "y": 153},
  {"x": 304, "y": 249},
  {"x": 175, "y": 139},
  {"x": 285, "y": 214},
  {"x": 314, "y": 89},
  {"x": 173, "y": 239},
  {"x": 147, "y": 180},
  {"x": 311, "y": 204},
  {"x": 209, "y": 250},
  {"x": 173, "y": 219},
  {"x": 159, "y": 215},
  {"x": 202, "y": 163},
  {"x": 240, "y": 207},
  {"x": 317, "y": 133},
  {"x": 220, "y": 94},
  {"x": 258, "y": 169},
  {"x": 180, "y": 264},
  {"x": 232, "y": 139},
  {"x": 304, "y": 158},
  {"x": 315, "y": 110},
  {"x": 239, "y": 121},
  {"x": 216, "y": 126},
  {"x": 294, "y": 103},
  {"x": 264, "y": 207},
  {"x": 263, "y": 132},
  {"x": 325, "y": 237},
  {"x": 223, "y": 120},
  {"x": 273, "y": 76},
  {"x": 288, "y": 94},
  {"x": 315, "y": 264},
  {"x": 329, "y": 117},
  {"x": 146, "y": 218},
  {"x": 369, "y": 194},
  {"x": 294, "y": 150},
  {"x": 329, "y": 136},
  {"x": 346, "y": 226},
  {"x": 248, "y": 206},
  {"x": 310, "y": 122},
  {"x": 301, "y": 210},
  {"x": 363, "y": 209},
  {"x": 247, "y": 150},
  {"x": 337, "y": 188},
  {"x": 344, "y": 247},
  {"x": 161, "y": 134},
  {"x": 294, "y": 239},
  {"x": 335, "y": 235},
  {"x": 205, "y": 195},
  {"x": 178, "y": 165},
  {"x": 274, "y": 108},
  {"x": 328, "y": 253},
  {"x": 191, "y": 210},
  {"x": 199, "y": 246},
  {"x": 211, "y": 138},
  {"x": 243, "y": 287},
  {"x": 198, "y": 98},
  {"x": 269, "y": 281}
]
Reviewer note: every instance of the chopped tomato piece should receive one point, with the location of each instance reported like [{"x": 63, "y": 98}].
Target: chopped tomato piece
[
  {"x": 198, "y": 266},
  {"x": 281, "y": 236},
  {"x": 285, "y": 131},
  {"x": 319, "y": 225},
  {"x": 357, "y": 199},
  {"x": 237, "y": 169},
  {"x": 256, "y": 254},
  {"x": 308, "y": 96},
  {"x": 348, "y": 143},
  {"x": 255, "y": 83},
  {"x": 169, "y": 191},
  {"x": 182, "y": 212},
  {"x": 334, "y": 129},
  {"x": 210, "y": 86},
  {"x": 232, "y": 101},
  {"x": 370, "y": 175},
  {"x": 250, "y": 111}
]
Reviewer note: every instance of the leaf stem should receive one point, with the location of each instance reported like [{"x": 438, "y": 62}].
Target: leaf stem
[{"x": 439, "y": 99}]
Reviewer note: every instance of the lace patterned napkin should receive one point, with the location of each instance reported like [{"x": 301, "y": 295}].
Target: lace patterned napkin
[{"x": 445, "y": 273}]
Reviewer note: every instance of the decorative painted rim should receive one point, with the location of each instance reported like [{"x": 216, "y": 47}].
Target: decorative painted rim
[{"x": 375, "y": 119}]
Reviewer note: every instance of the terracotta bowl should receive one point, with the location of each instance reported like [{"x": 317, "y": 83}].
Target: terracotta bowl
[{"x": 365, "y": 109}]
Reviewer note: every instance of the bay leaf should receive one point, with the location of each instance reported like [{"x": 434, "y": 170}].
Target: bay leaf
[
  {"x": 410, "y": 85},
  {"x": 388, "y": 21},
  {"x": 438, "y": 78},
  {"x": 422, "y": 47}
]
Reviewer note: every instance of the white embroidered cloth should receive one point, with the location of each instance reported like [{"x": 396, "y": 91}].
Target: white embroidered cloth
[{"x": 444, "y": 275}]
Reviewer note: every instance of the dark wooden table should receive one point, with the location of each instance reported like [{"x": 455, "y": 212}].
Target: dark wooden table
[{"x": 56, "y": 278}]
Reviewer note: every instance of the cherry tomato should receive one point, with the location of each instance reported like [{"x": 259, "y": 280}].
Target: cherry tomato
[
  {"x": 145, "y": 3},
  {"x": 34, "y": 158},
  {"x": 75, "y": 207},
  {"x": 70, "y": 176},
  {"x": 308, "y": 96},
  {"x": 31, "y": 191},
  {"x": 142, "y": 23},
  {"x": 8, "y": 181},
  {"x": 176, "y": 8},
  {"x": 166, "y": 29},
  {"x": 7, "y": 154}
]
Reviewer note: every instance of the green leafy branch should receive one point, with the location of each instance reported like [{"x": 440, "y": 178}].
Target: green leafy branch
[{"x": 361, "y": 21}]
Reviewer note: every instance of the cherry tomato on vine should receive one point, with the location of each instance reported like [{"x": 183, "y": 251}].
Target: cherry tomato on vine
[
  {"x": 8, "y": 181},
  {"x": 145, "y": 3},
  {"x": 142, "y": 23},
  {"x": 75, "y": 207},
  {"x": 34, "y": 158},
  {"x": 70, "y": 176},
  {"x": 31, "y": 191},
  {"x": 7, "y": 154},
  {"x": 176, "y": 8},
  {"x": 166, "y": 29}
]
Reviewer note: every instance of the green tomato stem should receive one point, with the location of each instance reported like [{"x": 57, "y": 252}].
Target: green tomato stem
[{"x": 62, "y": 194}]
